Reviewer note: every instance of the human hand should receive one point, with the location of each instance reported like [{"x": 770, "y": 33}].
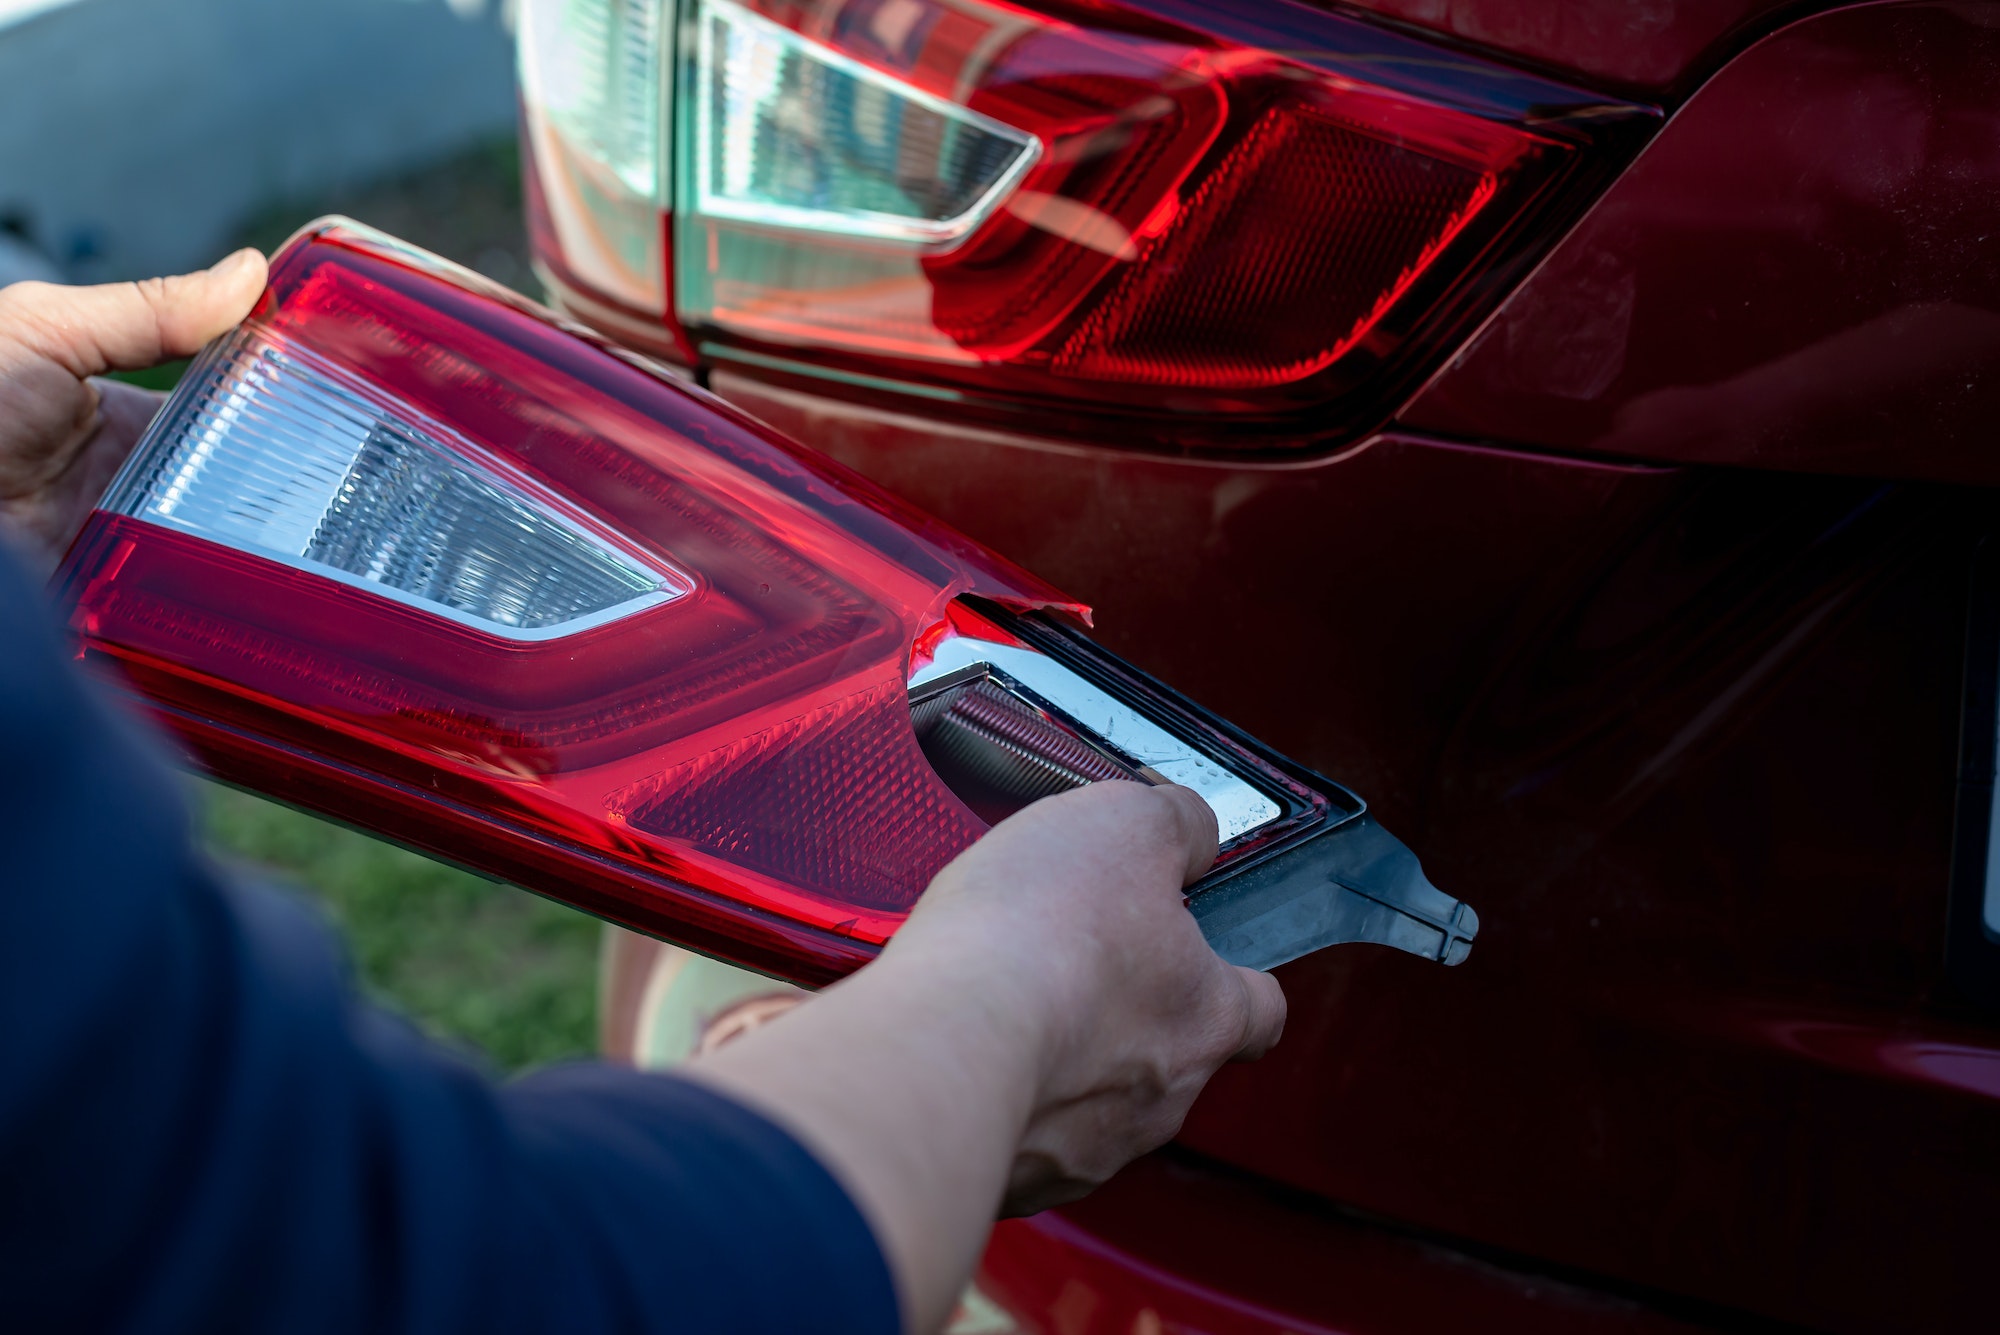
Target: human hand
[
  {"x": 1048, "y": 1013},
  {"x": 63, "y": 434},
  {"x": 1072, "y": 913}
]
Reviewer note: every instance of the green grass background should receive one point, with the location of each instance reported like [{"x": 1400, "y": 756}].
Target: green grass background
[
  {"x": 489, "y": 966},
  {"x": 477, "y": 964}
]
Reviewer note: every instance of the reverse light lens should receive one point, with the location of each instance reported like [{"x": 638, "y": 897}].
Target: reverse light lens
[
  {"x": 597, "y": 73},
  {"x": 279, "y": 453},
  {"x": 789, "y": 133}
]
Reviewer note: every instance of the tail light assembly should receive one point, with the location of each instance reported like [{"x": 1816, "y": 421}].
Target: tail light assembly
[
  {"x": 1195, "y": 216},
  {"x": 409, "y": 551}
]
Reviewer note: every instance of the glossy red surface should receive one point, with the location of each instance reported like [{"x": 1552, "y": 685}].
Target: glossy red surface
[
  {"x": 1127, "y": 1262},
  {"x": 1798, "y": 273},
  {"x": 1686, "y": 735},
  {"x": 680, "y": 741},
  {"x": 1645, "y": 45},
  {"x": 1686, "y": 738}
]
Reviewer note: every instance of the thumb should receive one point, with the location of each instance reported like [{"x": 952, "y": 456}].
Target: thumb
[{"x": 130, "y": 326}]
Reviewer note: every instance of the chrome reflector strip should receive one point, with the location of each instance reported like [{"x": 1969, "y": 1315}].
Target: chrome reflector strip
[{"x": 1239, "y": 807}]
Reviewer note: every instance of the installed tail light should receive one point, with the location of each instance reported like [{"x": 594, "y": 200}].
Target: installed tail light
[
  {"x": 1237, "y": 211},
  {"x": 408, "y": 551}
]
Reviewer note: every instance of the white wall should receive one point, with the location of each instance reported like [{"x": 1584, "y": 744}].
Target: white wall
[{"x": 136, "y": 134}]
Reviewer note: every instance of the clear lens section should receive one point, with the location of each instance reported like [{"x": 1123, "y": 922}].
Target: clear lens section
[
  {"x": 791, "y": 134},
  {"x": 273, "y": 454},
  {"x": 594, "y": 67},
  {"x": 594, "y": 92}
]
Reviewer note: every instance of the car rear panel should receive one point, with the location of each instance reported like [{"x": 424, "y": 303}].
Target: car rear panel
[
  {"x": 1798, "y": 273},
  {"x": 1647, "y": 48},
  {"x": 1125, "y": 1263},
  {"x": 1691, "y": 734},
  {"x": 1644, "y": 621}
]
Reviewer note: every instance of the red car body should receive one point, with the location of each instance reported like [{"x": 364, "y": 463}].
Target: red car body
[{"x": 1644, "y": 620}]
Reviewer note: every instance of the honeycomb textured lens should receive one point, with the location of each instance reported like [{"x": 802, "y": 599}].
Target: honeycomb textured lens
[
  {"x": 851, "y": 771},
  {"x": 1291, "y": 252}
]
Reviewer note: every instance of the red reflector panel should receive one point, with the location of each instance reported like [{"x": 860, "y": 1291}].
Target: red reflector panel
[
  {"x": 1291, "y": 250},
  {"x": 851, "y": 771},
  {"x": 405, "y": 550}
]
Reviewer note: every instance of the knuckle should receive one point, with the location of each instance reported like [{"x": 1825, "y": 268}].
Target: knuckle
[
  {"x": 1233, "y": 1024},
  {"x": 159, "y": 296}
]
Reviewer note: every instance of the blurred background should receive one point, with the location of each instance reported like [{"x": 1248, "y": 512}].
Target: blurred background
[{"x": 142, "y": 137}]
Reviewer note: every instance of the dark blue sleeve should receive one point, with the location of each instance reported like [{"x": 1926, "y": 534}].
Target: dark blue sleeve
[{"x": 202, "y": 1128}]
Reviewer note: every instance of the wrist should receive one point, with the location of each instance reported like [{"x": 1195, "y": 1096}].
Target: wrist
[{"x": 1013, "y": 997}]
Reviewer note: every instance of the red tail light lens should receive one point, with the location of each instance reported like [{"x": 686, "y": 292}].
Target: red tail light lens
[
  {"x": 401, "y": 547},
  {"x": 1235, "y": 211},
  {"x": 406, "y": 550}
]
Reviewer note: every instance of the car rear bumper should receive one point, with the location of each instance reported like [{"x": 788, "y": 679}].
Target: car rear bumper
[{"x": 1178, "y": 1244}]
